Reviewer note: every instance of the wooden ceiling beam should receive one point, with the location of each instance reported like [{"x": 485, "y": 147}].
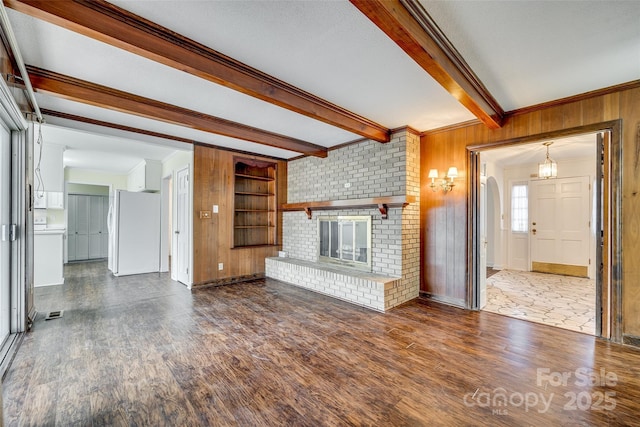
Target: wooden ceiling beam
[
  {"x": 73, "y": 89},
  {"x": 408, "y": 24},
  {"x": 110, "y": 24}
]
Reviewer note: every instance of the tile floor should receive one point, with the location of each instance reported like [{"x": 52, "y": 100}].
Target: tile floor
[{"x": 562, "y": 301}]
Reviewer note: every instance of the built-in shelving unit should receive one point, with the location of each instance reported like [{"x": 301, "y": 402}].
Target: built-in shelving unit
[
  {"x": 381, "y": 203},
  {"x": 254, "y": 222}
]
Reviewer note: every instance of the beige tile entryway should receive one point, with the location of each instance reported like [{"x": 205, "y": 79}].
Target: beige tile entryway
[{"x": 562, "y": 301}]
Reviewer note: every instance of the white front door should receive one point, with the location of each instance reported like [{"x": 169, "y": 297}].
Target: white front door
[
  {"x": 5, "y": 241},
  {"x": 181, "y": 235},
  {"x": 560, "y": 225}
]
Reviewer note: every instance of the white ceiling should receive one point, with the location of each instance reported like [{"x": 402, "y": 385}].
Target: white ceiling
[
  {"x": 574, "y": 147},
  {"x": 524, "y": 52},
  {"x": 102, "y": 153},
  {"x": 530, "y": 52}
]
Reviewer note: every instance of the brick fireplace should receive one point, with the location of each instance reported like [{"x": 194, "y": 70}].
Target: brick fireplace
[{"x": 366, "y": 170}]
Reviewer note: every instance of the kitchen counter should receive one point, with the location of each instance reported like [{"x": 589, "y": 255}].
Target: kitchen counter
[
  {"x": 48, "y": 250},
  {"x": 52, "y": 230}
]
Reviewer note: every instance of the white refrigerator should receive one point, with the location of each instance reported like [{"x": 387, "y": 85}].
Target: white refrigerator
[{"x": 134, "y": 233}]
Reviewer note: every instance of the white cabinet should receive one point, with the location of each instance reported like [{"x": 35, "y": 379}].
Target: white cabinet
[
  {"x": 51, "y": 166},
  {"x": 47, "y": 255},
  {"x": 88, "y": 237},
  {"x": 146, "y": 176},
  {"x": 55, "y": 200}
]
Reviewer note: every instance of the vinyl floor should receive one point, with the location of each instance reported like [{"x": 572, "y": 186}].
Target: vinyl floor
[{"x": 146, "y": 351}]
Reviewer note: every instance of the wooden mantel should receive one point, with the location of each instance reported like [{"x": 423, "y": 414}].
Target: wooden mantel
[{"x": 382, "y": 203}]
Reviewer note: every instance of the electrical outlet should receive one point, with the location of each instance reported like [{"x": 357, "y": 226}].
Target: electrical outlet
[
  {"x": 347, "y": 184},
  {"x": 220, "y": 266}
]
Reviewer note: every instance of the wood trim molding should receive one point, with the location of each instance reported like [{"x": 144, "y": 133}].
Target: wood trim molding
[
  {"x": 110, "y": 24},
  {"x": 70, "y": 88},
  {"x": 538, "y": 107},
  {"x": 575, "y": 98},
  {"x": 449, "y": 128},
  {"x": 81, "y": 119},
  {"x": 407, "y": 129},
  {"x": 408, "y": 24},
  {"x": 380, "y": 203}
]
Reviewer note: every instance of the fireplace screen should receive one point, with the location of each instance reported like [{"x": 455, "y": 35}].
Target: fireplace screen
[{"x": 345, "y": 240}]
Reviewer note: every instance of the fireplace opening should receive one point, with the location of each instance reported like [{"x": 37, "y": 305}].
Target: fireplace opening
[{"x": 345, "y": 240}]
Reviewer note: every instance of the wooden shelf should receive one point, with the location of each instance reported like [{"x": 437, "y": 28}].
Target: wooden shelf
[
  {"x": 254, "y": 203},
  {"x": 255, "y": 246},
  {"x": 246, "y": 193},
  {"x": 381, "y": 203},
  {"x": 258, "y": 178}
]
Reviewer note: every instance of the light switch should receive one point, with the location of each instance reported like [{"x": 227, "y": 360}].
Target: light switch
[
  {"x": 205, "y": 214},
  {"x": 215, "y": 208}
]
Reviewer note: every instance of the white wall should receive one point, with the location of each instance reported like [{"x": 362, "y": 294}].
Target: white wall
[
  {"x": 566, "y": 168},
  {"x": 176, "y": 161},
  {"x": 84, "y": 176}
]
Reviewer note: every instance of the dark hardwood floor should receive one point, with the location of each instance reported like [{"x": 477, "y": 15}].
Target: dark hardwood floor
[{"x": 145, "y": 351}]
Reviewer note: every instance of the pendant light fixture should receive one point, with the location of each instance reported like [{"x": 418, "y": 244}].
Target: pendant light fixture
[{"x": 548, "y": 168}]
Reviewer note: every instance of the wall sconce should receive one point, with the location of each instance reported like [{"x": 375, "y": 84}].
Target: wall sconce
[{"x": 444, "y": 184}]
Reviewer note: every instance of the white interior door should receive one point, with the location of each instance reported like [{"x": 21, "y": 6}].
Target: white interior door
[
  {"x": 5, "y": 241},
  {"x": 483, "y": 246},
  {"x": 181, "y": 236},
  {"x": 560, "y": 225}
]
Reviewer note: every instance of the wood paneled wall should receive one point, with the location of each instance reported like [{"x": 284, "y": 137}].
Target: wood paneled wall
[
  {"x": 444, "y": 217},
  {"x": 213, "y": 237}
]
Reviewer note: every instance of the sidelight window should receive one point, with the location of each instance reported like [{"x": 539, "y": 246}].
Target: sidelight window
[{"x": 519, "y": 208}]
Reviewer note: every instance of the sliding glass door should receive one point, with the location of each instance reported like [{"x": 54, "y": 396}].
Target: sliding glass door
[{"x": 7, "y": 230}]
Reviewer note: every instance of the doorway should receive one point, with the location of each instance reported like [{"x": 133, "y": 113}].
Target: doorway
[
  {"x": 181, "y": 240},
  {"x": 5, "y": 242},
  {"x": 166, "y": 221},
  {"x": 600, "y": 224},
  {"x": 87, "y": 227}
]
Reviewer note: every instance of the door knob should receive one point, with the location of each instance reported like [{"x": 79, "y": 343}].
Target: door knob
[{"x": 177, "y": 232}]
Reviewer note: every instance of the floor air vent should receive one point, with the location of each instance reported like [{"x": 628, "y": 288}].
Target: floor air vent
[{"x": 54, "y": 315}]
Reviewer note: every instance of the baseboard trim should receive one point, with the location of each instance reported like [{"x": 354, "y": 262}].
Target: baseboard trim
[
  {"x": 455, "y": 302},
  {"x": 563, "y": 269},
  {"x": 631, "y": 340},
  {"x": 228, "y": 281}
]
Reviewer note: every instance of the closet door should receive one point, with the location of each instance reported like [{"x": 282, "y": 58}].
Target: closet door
[
  {"x": 82, "y": 227},
  {"x": 95, "y": 227},
  {"x": 71, "y": 227},
  {"x": 104, "y": 244}
]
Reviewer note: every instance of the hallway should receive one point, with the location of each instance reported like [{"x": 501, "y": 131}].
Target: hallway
[{"x": 143, "y": 350}]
